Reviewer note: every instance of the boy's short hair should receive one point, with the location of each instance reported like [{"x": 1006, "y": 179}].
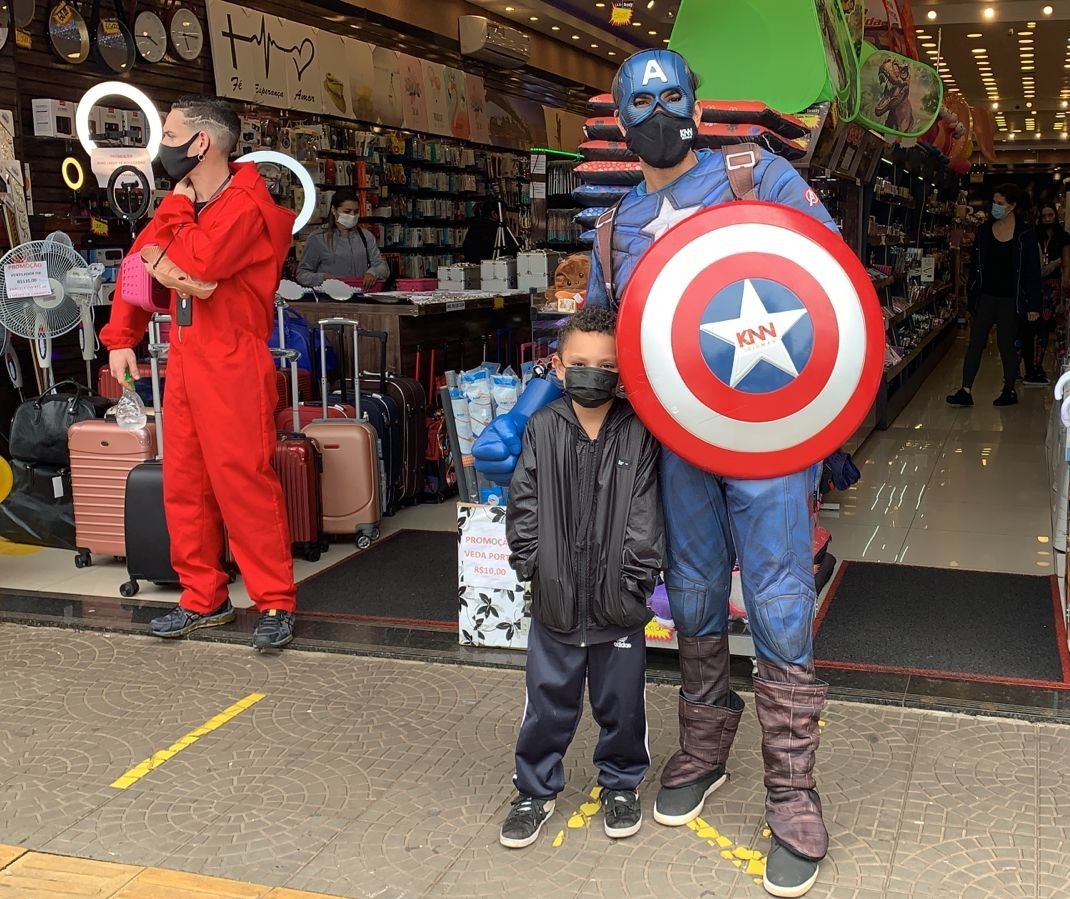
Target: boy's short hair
[
  {"x": 213, "y": 115},
  {"x": 590, "y": 320}
]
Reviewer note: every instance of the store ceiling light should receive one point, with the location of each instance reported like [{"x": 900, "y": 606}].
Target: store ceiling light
[
  {"x": 534, "y": 19},
  {"x": 612, "y": 52},
  {"x": 973, "y": 35},
  {"x": 509, "y": 9},
  {"x": 594, "y": 46},
  {"x": 1047, "y": 10},
  {"x": 931, "y": 15},
  {"x": 652, "y": 32},
  {"x": 1029, "y": 68},
  {"x": 990, "y": 13},
  {"x": 929, "y": 45},
  {"x": 1028, "y": 105},
  {"x": 979, "y": 51},
  {"x": 555, "y": 27},
  {"x": 575, "y": 37}
]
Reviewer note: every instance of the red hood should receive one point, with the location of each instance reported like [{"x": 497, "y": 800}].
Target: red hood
[{"x": 278, "y": 219}]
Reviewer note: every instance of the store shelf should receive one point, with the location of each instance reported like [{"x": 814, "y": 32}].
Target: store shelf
[
  {"x": 892, "y": 200},
  {"x": 887, "y": 282},
  {"x": 893, "y": 373},
  {"x": 931, "y": 298},
  {"x": 886, "y": 241}
]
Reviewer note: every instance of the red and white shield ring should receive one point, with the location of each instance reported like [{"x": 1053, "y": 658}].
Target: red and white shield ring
[{"x": 751, "y": 340}]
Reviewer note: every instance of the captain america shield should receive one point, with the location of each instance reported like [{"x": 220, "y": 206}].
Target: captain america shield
[{"x": 751, "y": 340}]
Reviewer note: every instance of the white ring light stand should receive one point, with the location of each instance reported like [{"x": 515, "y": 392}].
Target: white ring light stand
[
  {"x": 106, "y": 159},
  {"x": 307, "y": 184}
]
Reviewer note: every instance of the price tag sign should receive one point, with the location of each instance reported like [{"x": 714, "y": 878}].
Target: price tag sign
[
  {"x": 27, "y": 279},
  {"x": 455, "y": 306}
]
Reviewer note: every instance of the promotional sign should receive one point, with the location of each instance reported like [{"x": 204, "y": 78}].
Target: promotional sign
[
  {"x": 435, "y": 97},
  {"x": 361, "y": 70},
  {"x": 304, "y": 84},
  {"x": 457, "y": 103},
  {"x": 249, "y": 54},
  {"x": 335, "y": 59},
  {"x": 476, "y": 96},
  {"x": 564, "y": 130},
  {"x": 26, "y": 279},
  {"x": 484, "y": 555},
  {"x": 751, "y": 341},
  {"x": 389, "y": 93},
  {"x": 414, "y": 92}
]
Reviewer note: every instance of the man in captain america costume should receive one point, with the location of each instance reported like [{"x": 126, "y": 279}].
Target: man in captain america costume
[{"x": 711, "y": 520}]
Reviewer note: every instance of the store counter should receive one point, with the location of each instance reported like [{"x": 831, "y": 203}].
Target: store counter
[{"x": 463, "y": 327}]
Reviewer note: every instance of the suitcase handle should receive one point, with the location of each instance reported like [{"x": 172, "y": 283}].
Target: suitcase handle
[
  {"x": 291, "y": 357},
  {"x": 341, "y": 324},
  {"x": 156, "y": 349},
  {"x": 382, "y": 337}
]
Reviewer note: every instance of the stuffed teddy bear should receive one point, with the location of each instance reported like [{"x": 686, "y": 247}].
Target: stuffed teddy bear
[{"x": 570, "y": 283}]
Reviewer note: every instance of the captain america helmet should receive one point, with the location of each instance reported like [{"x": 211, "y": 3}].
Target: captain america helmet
[{"x": 652, "y": 73}]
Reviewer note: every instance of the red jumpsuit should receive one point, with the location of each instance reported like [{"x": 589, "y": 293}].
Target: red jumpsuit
[{"x": 219, "y": 434}]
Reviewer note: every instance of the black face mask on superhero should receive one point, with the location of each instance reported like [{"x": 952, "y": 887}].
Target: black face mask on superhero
[
  {"x": 590, "y": 387},
  {"x": 663, "y": 140},
  {"x": 175, "y": 161}
]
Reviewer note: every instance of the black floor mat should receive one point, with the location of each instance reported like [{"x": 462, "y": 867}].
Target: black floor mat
[
  {"x": 411, "y": 575},
  {"x": 944, "y": 622}
]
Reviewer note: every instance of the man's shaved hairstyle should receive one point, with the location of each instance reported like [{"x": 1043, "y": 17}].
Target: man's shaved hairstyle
[{"x": 212, "y": 115}]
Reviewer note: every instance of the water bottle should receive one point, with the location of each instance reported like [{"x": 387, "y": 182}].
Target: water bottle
[{"x": 130, "y": 410}]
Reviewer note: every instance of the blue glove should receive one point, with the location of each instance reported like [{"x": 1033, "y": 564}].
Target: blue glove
[{"x": 498, "y": 448}]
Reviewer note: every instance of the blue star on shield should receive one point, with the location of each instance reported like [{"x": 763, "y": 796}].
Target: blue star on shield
[{"x": 756, "y": 335}]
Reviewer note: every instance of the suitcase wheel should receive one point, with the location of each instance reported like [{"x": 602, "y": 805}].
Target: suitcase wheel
[
  {"x": 83, "y": 559},
  {"x": 312, "y": 553},
  {"x": 130, "y": 588},
  {"x": 363, "y": 541}
]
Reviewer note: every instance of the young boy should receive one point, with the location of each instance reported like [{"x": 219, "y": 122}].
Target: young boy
[{"x": 585, "y": 527}]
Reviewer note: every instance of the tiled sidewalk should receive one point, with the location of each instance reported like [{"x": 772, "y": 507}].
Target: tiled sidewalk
[{"x": 367, "y": 777}]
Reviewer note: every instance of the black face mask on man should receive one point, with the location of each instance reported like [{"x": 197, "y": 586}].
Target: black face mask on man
[
  {"x": 175, "y": 161},
  {"x": 590, "y": 387},
  {"x": 663, "y": 140}
]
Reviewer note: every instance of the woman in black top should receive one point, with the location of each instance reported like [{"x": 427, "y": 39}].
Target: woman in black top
[
  {"x": 1005, "y": 283},
  {"x": 1055, "y": 258}
]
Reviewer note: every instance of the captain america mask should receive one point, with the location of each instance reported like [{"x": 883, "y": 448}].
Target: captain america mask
[{"x": 655, "y": 96}]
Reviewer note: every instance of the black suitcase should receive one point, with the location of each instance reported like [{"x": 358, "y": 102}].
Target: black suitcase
[
  {"x": 381, "y": 412},
  {"x": 39, "y": 510}
]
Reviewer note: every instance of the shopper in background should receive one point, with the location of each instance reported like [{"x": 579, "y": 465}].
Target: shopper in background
[
  {"x": 218, "y": 225},
  {"x": 1004, "y": 285},
  {"x": 1055, "y": 258},
  {"x": 482, "y": 235},
  {"x": 342, "y": 248},
  {"x": 585, "y": 527}
]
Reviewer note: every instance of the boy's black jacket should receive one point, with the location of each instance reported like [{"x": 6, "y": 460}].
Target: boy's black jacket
[{"x": 601, "y": 581}]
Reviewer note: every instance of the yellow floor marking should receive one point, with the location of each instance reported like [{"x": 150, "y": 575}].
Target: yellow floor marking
[
  {"x": 7, "y": 548},
  {"x": 140, "y": 770},
  {"x": 9, "y": 853},
  {"x": 581, "y": 817}
]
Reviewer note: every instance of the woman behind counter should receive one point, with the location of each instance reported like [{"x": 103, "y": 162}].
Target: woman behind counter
[{"x": 341, "y": 248}]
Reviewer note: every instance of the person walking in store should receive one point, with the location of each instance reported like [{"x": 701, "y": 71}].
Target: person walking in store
[
  {"x": 482, "y": 235},
  {"x": 1005, "y": 284},
  {"x": 712, "y": 520},
  {"x": 342, "y": 248},
  {"x": 584, "y": 525},
  {"x": 1055, "y": 259},
  {"x": 219, "y": 225}
]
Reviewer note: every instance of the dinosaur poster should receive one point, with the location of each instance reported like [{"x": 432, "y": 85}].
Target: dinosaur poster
[{"x": 900, "y": 96}]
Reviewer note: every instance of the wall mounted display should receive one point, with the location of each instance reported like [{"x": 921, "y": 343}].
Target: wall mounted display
[
  {"x": 187, "y": 34},
  {"x": 457, "y": 103},
  {"x": 361, "y": 69},
  {"x": 68, "y": 33},
  {"x": 476, "y": 97},
  {"x": 414, "y": 92},
  {"x": 389, "y": 95},
  {"x": 435, "y": 93},
  {"x": 333, "y": 72},
  {"x": 150, "y": 36}
]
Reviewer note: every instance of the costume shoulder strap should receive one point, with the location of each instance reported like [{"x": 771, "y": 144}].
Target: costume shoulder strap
[
  {"x": 740, "y": 161},
  {"x": 603, "y": 246}
]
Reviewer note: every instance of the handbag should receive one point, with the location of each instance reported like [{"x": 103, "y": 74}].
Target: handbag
[
  {"x": 138, "y": 288},
  {"x": 39, "y": 427}
]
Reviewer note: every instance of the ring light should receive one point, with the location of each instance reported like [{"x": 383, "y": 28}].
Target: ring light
[
  {"x": 74, "y": 184},
  {"x": 117, "y": 89},
  {"x": 307, "y": 184},
  {"x": 146, "y": 192}
]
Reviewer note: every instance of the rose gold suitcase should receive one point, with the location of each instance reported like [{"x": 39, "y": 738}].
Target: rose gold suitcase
[
  {"x": 102, "y": 455},
  {"x": 352, "y": 459}
]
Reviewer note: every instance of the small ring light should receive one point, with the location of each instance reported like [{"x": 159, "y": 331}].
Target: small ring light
[
  {"x": 117, "y": 89},
  {"x": 142, "y": 182},
  {"x": 78, "y": 182},
  {"x": 309, "y": 186}
]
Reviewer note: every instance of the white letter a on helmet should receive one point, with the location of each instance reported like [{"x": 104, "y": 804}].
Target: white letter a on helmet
[{"x": 653, "y": 70}]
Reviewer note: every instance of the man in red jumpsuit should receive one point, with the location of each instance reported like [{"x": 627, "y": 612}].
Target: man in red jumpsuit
[{"x": 219, "y": 225}]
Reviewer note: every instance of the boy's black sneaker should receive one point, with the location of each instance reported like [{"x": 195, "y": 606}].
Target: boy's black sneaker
[
  {"x": 623, "y": 813},
  {"x": 524, "y": 821},
  {"x": 961, "y": 398},
  {"x": 274, "y": 629},
  {"x": 179, "y": 621},
  {"x": 1037, "y": 379},
  {"x": 1007, "y": 398}
]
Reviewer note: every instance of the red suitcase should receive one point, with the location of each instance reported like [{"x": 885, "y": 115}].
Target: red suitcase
[
  {"x": 102, "y": 455},
  {"x": 352, "y": 471},
  {"x": 310, "y": 412},
  {"x": 108, "y": 387},
  {"x": 304, "y": 393},
  {"x": 299, "y": 465}
]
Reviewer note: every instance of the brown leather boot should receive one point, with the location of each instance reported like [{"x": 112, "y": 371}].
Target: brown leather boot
[
  {"x": 709, "y": 718},
  {"x": 788, "y": 714}
]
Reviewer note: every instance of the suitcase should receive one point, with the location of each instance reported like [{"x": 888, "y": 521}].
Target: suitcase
[
  {"x": 310, "y": 412},
  {"x": 440, "y": 475},
  {"x": 102, "y": 455},
  {"x": 351, "y": 462},
  {"x": 282, "y": 387},
  {"x": 108, "y": 387},
  {"x": 381, "y": 412},
  {"x": 299, "y": 465},
  {"x": 148, "y": 544}
]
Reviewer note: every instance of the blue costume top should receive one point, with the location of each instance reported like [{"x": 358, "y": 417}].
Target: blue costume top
[{"x": 642, "y": 216}]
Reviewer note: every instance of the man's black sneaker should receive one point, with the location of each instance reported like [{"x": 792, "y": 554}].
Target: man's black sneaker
[
  {"x": 676, "y": 806},
  {"x": 524, "y": 821},
  {"x": 961, "y": 398},
  {"x": 787, "y": 874},
  {"x": 274, "y": 629},
  {"x": 623, "y": 813},
  {"x": 1036, "y": 380},
  {"x": 1007, "y": 398},
  {"x": 179, "y": 621}
]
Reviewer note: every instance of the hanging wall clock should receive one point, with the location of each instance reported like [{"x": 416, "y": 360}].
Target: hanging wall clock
[
  {"x": 5, "y": 23},
  {"x": 24, "y": 13},
  {"x": 115, "y": 45},
  {"x": 150, "y": 35},
  {"x": 68, "y": 32},
  {"x": 187, "y": 34}
]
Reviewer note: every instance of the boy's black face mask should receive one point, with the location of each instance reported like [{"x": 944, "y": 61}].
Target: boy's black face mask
[{"x": 590, "y": 387}]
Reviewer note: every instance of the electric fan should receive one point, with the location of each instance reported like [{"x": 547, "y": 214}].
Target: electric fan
[
  {"x": 11, "y": 361},
  {"x": 41, "y": 317}
]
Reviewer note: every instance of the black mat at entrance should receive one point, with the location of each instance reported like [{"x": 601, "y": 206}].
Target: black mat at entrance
[
  {"x": 410, "y": 576},
  {"x": 946, "y": 623}
]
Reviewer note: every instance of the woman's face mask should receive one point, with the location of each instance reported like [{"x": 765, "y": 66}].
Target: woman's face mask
[
  {"x": 346, "y": 220},
  {"x": 999, "y": 211}
]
